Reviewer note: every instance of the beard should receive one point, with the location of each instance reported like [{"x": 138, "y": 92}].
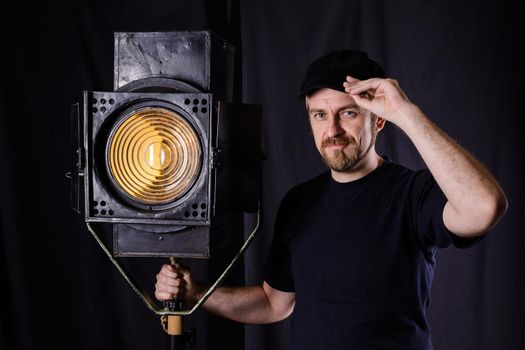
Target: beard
[{"x": 344, "y": 160}]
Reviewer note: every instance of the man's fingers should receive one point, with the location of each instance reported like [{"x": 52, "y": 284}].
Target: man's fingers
[
  {"x": 164, "y": 288},
  {"x": 168, "y": 270},
  {"x": 170, "y": 281},
  {"x": 350, "y": 79},
  {"x": 163, "y": 296},
  {"x": 348, "y": 84},
  {"x": 361, "y": 86},
  {"x": 167, "y": 292},
  {"x": 174, "y": 271},
  {"x": 362, "y": 100}
]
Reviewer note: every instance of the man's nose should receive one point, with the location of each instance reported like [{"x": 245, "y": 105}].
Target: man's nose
[{"x": 334, "y": 127}]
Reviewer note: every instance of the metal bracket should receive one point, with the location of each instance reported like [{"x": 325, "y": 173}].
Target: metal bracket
[
  {"x": 216, "y": 155},
  {"x": 149, "y": 302}
]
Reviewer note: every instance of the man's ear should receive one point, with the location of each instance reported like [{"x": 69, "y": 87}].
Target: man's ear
[{"x": 380, "y": 123}]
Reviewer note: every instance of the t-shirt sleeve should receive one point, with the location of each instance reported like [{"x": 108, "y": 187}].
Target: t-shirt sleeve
[
  {"x": 277, "y": 269},
  {"x": 428, "y": 202}
]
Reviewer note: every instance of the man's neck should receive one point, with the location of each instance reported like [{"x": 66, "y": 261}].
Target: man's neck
[{"x": 363, "y": 168}]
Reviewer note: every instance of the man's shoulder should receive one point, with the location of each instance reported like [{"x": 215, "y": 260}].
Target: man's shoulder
[
  {"x": 402, "y": 180},
  {"x": 401, "y": 172}
]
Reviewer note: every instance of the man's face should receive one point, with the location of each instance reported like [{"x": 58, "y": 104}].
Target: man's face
[{"x": 344, "y": 133}]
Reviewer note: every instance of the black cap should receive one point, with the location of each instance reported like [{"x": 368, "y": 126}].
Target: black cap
[{"x": 330, "y": 71}]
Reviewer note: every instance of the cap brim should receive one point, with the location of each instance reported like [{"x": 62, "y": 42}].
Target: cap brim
[{"x": 312, "y": 88}]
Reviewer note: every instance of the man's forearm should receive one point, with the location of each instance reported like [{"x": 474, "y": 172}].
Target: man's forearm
[
  {"x": 241, "y": 304},
  {"x": 475, "y": 200}
]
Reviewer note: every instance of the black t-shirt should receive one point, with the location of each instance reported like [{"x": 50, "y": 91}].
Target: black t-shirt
[{"x": 360, "y": 257}]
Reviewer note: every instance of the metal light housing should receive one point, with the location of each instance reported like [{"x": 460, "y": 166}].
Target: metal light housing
[{"x": 167, "y": 158}]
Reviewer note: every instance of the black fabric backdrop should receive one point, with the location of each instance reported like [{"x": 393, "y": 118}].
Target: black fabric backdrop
[{"x": 459, "y": 61}]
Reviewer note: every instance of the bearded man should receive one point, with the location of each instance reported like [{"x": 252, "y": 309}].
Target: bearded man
[{"x": 353, "y": 253}]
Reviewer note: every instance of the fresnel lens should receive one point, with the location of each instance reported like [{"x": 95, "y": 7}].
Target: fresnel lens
[{"x": 154, "y": 156}]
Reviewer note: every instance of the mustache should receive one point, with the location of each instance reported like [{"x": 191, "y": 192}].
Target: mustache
[{"x": 337, "y": 140}]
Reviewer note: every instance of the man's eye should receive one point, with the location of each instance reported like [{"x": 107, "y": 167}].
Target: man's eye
[
  {"x": 319, "y": 116},
  {"x": 348, "y": 114}
]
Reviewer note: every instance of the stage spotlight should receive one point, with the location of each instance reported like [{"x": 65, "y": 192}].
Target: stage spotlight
[{"x": 167, "y": 157}]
